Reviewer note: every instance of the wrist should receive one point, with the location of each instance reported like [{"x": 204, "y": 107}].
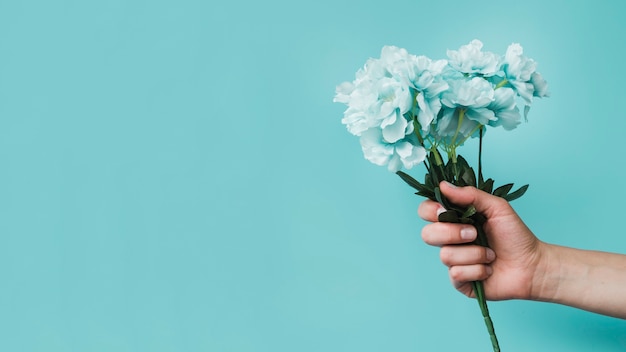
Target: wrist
[{"x": 546, "y": 276}]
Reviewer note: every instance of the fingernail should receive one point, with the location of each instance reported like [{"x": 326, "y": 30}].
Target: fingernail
[
  {"x": 468, "y": 233},
  {"x": 440, "y": 210},
  {"x": 449, "y": 184},
  {"x": 491, "y": 255}
]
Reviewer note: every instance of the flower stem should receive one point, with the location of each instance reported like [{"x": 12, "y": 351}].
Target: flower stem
[
  {"x": 501, "y": 84},
  {"x": 438, "y": 159},
  {"x": 458, "y": 127},
  {"x": 479, "y": 291},
  {"x": 453, "y": 158},
  {"x": 478, "y": 222},
  {"x": 471, "y": 133},
  {"x": 417, "y": 127},
  {"x": 480, "y": 159}
]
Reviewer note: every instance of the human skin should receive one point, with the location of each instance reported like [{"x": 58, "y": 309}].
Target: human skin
[{"x": 519, "y": 265}]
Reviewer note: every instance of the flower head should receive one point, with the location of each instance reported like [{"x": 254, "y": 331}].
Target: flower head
[
  {"x": 380, "y": 88},
  {"x": 520, "y": 72},
  {"x": 505, "y": 109},
  {"x": 471, "y": 59},
  {"x": 385, "y": 96},
  {"x": 402, "y": 153},
  {"x": 400, "y": 104}
]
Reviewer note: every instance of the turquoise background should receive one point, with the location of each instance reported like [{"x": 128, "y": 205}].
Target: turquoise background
[{"x": 175, "y": 177}]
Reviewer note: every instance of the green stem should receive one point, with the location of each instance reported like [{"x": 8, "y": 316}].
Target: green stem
[
  {"x": 471, "y": 133},
  {"x": 479, "y": 291},
  {"x": 477, "y": 286},
  {"x": 438, "y": 160},
  {"x": 480, "y": 160},
  {"x": 501, "y": 84},
  {"x": 458, "y": 127},
  {"x": 452, "y": 157},
  {"x": 417, "y": 130}
]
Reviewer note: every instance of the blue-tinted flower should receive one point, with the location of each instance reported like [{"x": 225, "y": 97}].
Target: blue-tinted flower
[
  {"x": 451, "y": 100},
  {"x": 473, "y": 95},
  {"x": 382, "y": 100},
  {"x": 505, "y": 109},
  {"x": 429, "y": 84},
  {"x": 471, "y": 60},
  {"x": 540, "y": 85},
  {"x": 451, "y": 129},
  {"x": 520, "y": 72},
  {"x": 398, "y": 155},
  {"x": 465, "y": 107},
  {"x": 377, "y": 94}
]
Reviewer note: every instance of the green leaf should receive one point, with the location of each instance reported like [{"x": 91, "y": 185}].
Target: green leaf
[
  {"x": 503, "y": 190},
  {"x": 422, "y": 190},
  {"x": 449, "y": 171},
  {"x": 469, "y": 177},
  {"x": 462, "y": 162},
  {"x": 466, "y": 220},
  {"x": 429, "y": 195},
  {"x": 441, "y": 199},
  {"x": 436, "y": 171},
  {"x": 479, "y": 218},
  {"x": 487, "y": 186},
  {"x": 428, "y": 181},
  {"x": 520, "y": 192},
  {"x": 469, "y": 212},
  {"x": 448, "y": 216},
  {"x": 410, "y": 180}
]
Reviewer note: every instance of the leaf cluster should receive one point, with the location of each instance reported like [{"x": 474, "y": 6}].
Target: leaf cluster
[{"x": 459, "y": 173}]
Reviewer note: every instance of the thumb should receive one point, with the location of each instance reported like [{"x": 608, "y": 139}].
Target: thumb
[{"x": 485, "y": 203}]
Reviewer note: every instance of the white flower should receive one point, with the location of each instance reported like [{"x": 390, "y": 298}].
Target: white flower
[
  {"x": 430, "y": 84},
  {"x": 377, "y": 92},
  {"x": 449, "y": 100},
  {"x": 465, "y": 108},
  {"x": 520, "y": 72},
  {"x": 506, "y": 111},
  {"x": 473, "y": 95},
  {"x": 383, "y": 99},
  {"x": 395, "y": 155},
  {"x": 516, "y": 66},
  {"x": 470, "y": 59},
  {"x": 540, "y": 85}
]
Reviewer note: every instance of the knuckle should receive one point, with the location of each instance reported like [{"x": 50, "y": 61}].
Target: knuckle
[
  {"x": 446, "y": 255},
  {"x": 456, "y": 274},
  {"x": 501, "y": 202}
]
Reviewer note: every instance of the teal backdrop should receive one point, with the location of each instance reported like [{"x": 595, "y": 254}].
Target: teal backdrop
[{"x": 174, "y": 176}]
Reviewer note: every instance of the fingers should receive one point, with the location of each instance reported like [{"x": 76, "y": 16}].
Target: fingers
[
  {"x": 485, "y": 203},
  {"x": 466, "y": 255},
  {"x": 461, "y": 275},
  {"x": 466, "y": 264},
  {"x": 444, "y": 233},
  {"x": 429, "y": 210}
]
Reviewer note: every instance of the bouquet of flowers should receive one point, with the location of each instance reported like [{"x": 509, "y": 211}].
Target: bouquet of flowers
[{"x": 409, "y": 109}]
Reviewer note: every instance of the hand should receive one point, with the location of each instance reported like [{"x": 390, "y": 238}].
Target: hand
[{"x": 509, "y": 269}]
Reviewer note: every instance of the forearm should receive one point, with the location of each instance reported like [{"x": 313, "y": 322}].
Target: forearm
[{"x": 589, "y": 280}]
